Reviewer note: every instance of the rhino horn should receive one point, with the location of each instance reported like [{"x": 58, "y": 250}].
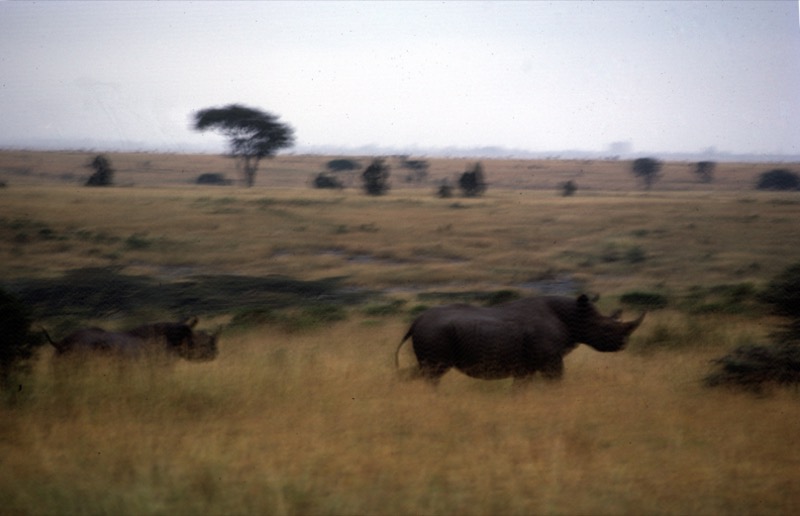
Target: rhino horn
[{"x": 635, "y": 324}]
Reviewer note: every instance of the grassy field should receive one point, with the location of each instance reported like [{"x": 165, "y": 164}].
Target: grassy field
[{"x": 311, "y": 418}]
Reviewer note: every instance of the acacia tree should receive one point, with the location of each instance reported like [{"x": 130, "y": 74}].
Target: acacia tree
[
  {"x": 647, "y": 169},
  {"x": 705, "y": 171},
  {"x": 252, "y": 134},
  {"x": 103, "y": 173},
  {"x": 376, "y": 177},
  {"x": 472, "y": 182}
]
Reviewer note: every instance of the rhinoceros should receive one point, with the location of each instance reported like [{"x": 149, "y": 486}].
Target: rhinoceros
[
  {"x": 515, "y": 339},
  {"x": 164, "y": 340}
]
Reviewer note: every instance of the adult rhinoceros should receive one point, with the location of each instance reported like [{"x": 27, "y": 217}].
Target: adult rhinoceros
[{"x": 515, "y": 339}]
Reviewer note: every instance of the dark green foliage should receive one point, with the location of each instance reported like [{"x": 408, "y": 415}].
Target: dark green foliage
[
  {"x": 252, "y": 134},
  {"x": 103, "y": 173},
  {"x": 213, "y": 179},
  {"x": 325, "y": 180},
  {"x": 445, "y": 190},
  {"x": 418, "y": 168},
  {"x": 647, "y": 169},
  {"x": 739, "y": 298},
  {"x": 102, "y": 292},
  {"x": 376, "y": 177},
  {"x": 472, "y": 182},
  {"x": 753, "y": 366},
  {"x": 644, "y": 300},
  {"x": 704, "y": 170},
  {"x": 778, "y": 179},
  {"x": 783, "y": 294},
  {"x": 385, "y": 308},
  {"x": 290, "y": 319},
  {"x": 17, "y": 346},
  {"x": 489, "y": 298},
  {"x": 343, "y": 165}
]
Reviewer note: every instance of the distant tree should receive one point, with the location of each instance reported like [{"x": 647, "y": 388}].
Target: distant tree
[
  {"x": 376, "y": 177},
  {"x": 445, "y": 190},
  {"x": 252, "y": 134},
  {"x": 327, "y": 180},
  {"x": 418, "y": 168},
  {"x": 343, "y": 165},
  {"x": 103, "y": 173},
  {"x": 647, "y": 169},
  {"x": 778, "y": 179},
  {"x": 569, "y": 188},
  {"x": 472, "y": 181},
  {"x": 17, "y": 346},
  {"x": 704, "y": 170}
]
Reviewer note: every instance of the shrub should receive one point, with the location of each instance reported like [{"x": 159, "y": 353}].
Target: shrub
[
  {"x": 376, "y": 178},
  {"x": 325, "y": 180},
  {"x": 751, "y": 366},
  {"x": 644, "y": 300},
  {"x": 290, "y": 320},
  {"x": 569, "y": 188},
  {"x": 391, "y": 307},
  {"x": 17, "y": 346},
  {"x": 472, "y": 182},
  {"x": 778, "y": 179},
  {"x": 735, "y": 298},
  {"x": 445, "y": 190},
  {"x": 343, "y": 165},
  {"x": 704, "y": 170},
  {"x": 103, "y": 173},
  {"x": 783, "y": 294},
  {"x": 213, "y": 178}
]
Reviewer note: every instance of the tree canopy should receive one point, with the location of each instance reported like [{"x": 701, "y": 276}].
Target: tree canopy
[
  {"x": 252, "y": 134},
  {"x": 647, "y": 169},
  {"x": 103, "y": 173},
  {"x": 472, "y": 181}
]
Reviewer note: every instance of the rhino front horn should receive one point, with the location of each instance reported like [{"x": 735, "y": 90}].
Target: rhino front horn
[{"x": 635, "y": 324}]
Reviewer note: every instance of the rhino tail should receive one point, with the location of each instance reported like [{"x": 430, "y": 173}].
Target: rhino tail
[
  {"x": 408, "y": 334},
  {"x": 50, "y": 340}
]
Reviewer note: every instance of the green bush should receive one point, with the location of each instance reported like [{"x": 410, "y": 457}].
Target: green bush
[
  {"x": 644, "y": 300},
  {"x": 752, "y": 366},
  {"x": 783, "y": 294},
  {"x": 290, "y": 320},
  {"x": 17, "y": 347}
]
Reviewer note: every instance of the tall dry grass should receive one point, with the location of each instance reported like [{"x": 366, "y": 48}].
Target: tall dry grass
[{"x": 318, "y": 423}]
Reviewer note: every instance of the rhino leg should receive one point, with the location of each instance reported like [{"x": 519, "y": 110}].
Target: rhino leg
[
  {"x": 432, "y": 371},
  {"x": 553, "y": 369}
]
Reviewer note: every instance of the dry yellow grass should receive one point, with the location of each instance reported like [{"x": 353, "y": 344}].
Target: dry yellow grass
[{"x": 318, "y": 423}]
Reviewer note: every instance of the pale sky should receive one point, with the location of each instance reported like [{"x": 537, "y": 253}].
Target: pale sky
[{"x": 535, "y": 75}]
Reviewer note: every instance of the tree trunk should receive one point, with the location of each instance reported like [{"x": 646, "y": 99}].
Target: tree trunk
[{"x": 250, "y": 165}]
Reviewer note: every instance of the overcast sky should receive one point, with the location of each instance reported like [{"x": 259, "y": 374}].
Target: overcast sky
[{"x": 664, "y": 76}]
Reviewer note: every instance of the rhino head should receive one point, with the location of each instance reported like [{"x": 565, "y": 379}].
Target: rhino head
[{"x": 603, "y": 333}]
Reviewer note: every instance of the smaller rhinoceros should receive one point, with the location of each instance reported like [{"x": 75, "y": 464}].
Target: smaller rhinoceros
[{"x": 515, "y": 339}]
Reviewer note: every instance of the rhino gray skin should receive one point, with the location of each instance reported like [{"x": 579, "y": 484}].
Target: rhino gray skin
[
  {"x": 167, "y": 340},
  {"x": 515, "y": 339}
]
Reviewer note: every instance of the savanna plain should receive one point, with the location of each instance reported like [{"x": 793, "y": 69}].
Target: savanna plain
[{"x": 304, "y": 412}]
